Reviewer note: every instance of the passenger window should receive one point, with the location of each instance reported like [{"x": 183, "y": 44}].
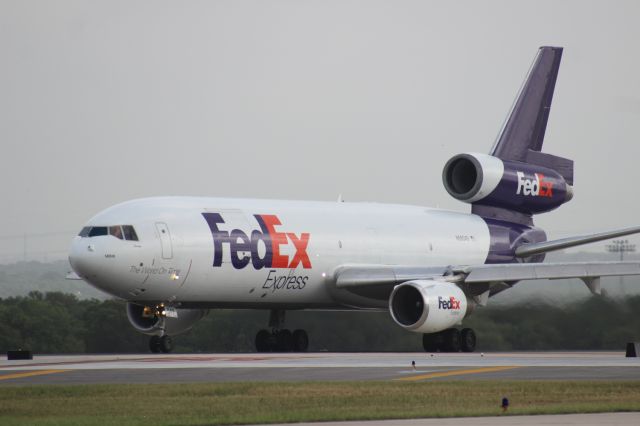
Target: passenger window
[
  {"x": 129, "y": 233},
  {"x": 116, "y": 231},
  {"x": 85, "y": 231},
  {"x": 97, "y": 231}
]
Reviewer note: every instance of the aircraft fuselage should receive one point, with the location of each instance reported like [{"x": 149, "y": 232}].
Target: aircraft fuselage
[{"x": 218, "y": 252}]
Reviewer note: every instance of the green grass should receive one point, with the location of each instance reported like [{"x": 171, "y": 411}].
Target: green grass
[{"x": 241, "y": 403}]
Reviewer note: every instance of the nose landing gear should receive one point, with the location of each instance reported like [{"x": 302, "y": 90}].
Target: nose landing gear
[
  {"x": 279, "y": 339},
  {"x": 162, "y": 343}
]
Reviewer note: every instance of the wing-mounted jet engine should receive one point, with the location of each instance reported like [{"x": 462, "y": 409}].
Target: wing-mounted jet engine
[
  {"x": 429, "y": 307},
  {"x": 426, "y": 306}
]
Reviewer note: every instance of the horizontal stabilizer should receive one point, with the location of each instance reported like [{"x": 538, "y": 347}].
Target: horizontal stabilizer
[
  {"x": 72, "y": 276},
  {"x": 527, "y": 250}
]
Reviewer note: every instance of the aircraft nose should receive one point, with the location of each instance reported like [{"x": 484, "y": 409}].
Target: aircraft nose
[{"x": 82, "y": 257}]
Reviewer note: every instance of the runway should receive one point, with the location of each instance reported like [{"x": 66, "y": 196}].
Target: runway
[{"x": 192, "y": 368}]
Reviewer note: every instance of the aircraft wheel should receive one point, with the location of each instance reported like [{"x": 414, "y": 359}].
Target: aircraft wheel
[
  {"x": 285, "y": 341},
  {"x": 451, "y": 340},
  {"x": 166, "y": 344},
  {"x": 468, "y": 340},
  {"x": 154, "y": 344},
  {"x": 262, "y": 341},
  {"x": 432, "y": 342},
  {"x": 300, "y": 341}
]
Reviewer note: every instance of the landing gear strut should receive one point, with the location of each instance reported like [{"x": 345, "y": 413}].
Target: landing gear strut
[
  {"x": 162, "y": 343},
  {"x": 450, "y": 340},
  {"x": 159, "y": 344},
  {"x": 279, "y": 339}
]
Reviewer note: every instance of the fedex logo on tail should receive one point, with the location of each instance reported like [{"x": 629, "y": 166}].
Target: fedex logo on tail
[
  {"x": 536, "y": 187},
  {"x": 239, "y": 244},
  {"x": 452, "y": 303}
]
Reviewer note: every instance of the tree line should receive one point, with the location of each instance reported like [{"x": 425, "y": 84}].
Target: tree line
[{"x": 61, "y": 323}]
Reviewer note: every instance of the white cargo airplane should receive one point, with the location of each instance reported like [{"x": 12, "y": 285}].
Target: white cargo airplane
[{"x": 173, "y": 258}]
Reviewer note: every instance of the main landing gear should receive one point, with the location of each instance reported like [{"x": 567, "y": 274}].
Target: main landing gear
[
  {"x": 279, "y": 339},
  {"x": 159, "y": 344},
  {"x": 450, "y": 340}
]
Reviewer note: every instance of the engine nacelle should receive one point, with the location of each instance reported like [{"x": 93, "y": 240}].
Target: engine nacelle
[
  {"x": 426, "y": 306},
  {"x": 513, "y": 185},
  {"x": 149, "y": 320}
]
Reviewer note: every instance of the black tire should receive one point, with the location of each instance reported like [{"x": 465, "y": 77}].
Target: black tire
[
  {"x": 262, "y": 341},
  {"x": 432, "y": 342},
  {"x": 468, "y": 340},
  {"x": 300, "y": 341},
  {"x": 154, "y": 344},
  {"x": 166, "y": 344},
  {"x": 451, "y": 340},
  {"x": 285, "y": 341}
]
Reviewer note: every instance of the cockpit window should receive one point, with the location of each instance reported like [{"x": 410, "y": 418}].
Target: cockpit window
[
  {"x": 116, "y": 231},
  {"x": 129, "y": 233},
  {"x": 122, "y": 232},
  {"x": 96, "y": 231}
]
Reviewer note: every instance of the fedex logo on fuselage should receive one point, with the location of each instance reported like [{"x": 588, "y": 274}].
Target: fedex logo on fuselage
[
  {"x": 452, "y": 303},
  {"x": 273, "y": 240},
  {"x": 537, "y": 187}
]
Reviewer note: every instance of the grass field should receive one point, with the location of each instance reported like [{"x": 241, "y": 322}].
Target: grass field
[{"x": 241, "y": 403}]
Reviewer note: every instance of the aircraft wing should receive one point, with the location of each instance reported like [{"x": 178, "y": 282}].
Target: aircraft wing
[
  {"x": 352, "y": 277},
  {"x": 362, "y": 276},
  {"x": 551, "y": 271}
]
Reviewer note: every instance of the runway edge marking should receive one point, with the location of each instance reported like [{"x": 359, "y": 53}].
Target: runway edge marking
[
  {"x": 455, "y": 373},
  {"x": 29, "y": 374}
]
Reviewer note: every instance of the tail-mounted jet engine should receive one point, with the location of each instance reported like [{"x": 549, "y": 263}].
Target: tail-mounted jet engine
[
  {"x": 427, "y": 306},
  {"x": 162, "y": 321},
  {"x": 482, "y": 179}
]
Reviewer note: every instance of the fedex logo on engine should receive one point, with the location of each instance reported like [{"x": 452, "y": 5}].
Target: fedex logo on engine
[
  {"x": 267, "y": 239},
  {"x": 452, "y": 303},
  {"x": 536, "y": 187}
]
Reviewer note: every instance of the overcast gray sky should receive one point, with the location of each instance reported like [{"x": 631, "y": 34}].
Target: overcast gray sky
[{"x": 104, "y": 101}]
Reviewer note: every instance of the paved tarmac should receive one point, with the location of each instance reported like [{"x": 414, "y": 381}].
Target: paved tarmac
[
  {"x": 619, "y": 419},
  {"x": 192, "y": 368}
]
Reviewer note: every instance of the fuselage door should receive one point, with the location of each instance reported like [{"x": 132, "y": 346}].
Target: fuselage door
[{"x": 165, "y": 240}]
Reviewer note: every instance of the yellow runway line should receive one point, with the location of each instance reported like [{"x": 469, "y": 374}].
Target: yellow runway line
[
  {"x": 29, "y": 374},
  {"x": 454, "y": 373}
]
